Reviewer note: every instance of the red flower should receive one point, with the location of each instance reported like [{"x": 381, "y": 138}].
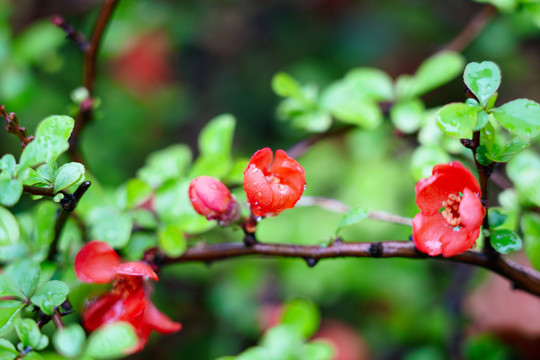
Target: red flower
[
  {"x": 272, "y": 187},
  {"x": 210, "y": 198},
  {"x": 128, "y": 300},
  {"x": 456, "y": 228}
]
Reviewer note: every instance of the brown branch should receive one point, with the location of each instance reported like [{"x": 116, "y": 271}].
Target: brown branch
[
  {"x": 39, "y": 191},
  {"x": 13, "y": 127},
  {"x": 57, "y": 319},
  {"x": 472, "y": 30},
  {"x": 71, "y": 33},
  {"x": 302, "y": 146},
  {"x": 521, "y": 277},
  {"x": 86, "y": 111}
]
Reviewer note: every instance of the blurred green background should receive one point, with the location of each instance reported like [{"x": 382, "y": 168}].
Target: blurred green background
[{"x": 167, "y": 67}]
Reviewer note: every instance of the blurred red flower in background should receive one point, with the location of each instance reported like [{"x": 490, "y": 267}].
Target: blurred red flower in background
[
  {"x": 455, "y": 229},
  {"x": 273, "y": 186},
  {"x": 128, "y": 300}
]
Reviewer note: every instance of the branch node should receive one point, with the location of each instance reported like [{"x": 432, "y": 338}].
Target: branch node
[
  {"x": 311, "y": 262},
  {"x": 376, "y": 250},
  {"x": 249, "y": 239},
  {"x": 468, "y": 143}
]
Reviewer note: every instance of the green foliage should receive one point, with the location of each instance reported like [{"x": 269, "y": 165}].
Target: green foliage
[
  {"x": 111, "y": 341},
  {"x": 483, "y": 80},
  {"x": 70, "y": 341},
  {"x": 352, "y": 217},
  {"x": 457, "y": 119},
  {"x": 9, "y": 229},
  {"x": 505, "y": 241},
  {"x": 521, "y": 117}
]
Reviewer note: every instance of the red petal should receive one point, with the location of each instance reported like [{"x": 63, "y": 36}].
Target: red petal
[
  {"x": 261, "y": 159},
  {"x": 427, "y": 233},
  {"x": 258, "y": 191},
  {"x": 159, "y": 321},
  {"x": 289, "y": 171},
  {"x": 96, "y": 262},
  {"x": 136, "y": 268},
  {"x": 209, "y": 196},
  {"x": 471, "y": 210},
  {"x": 447, "y": 179},
  {"x": 455, "y": 242},
  {"x": 115, "y": 307}
]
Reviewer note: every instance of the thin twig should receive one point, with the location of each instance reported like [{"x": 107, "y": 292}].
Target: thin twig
[
  {"x": 57, "y": 319},
  {"x": 520, "y": 276},
  {"x": 337, "y": 206},
  {"x": 71, "y": 33},
  {"x": 86, "y": 107},
  {"x": 472, "y": 30},
  {"x": 13, "y": 127},
  {"x": 302, "y": 146}
]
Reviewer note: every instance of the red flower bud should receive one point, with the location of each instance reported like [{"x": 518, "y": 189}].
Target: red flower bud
[
  {"x": 272, "y": 187},
  {"x": 210, "y": 198},
  {"x": 455, "y": 229}
]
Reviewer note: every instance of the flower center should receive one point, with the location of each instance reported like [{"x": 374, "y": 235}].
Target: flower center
[
  {"x": 451, "y": 210},
  {"x": 124, "y": 285}
]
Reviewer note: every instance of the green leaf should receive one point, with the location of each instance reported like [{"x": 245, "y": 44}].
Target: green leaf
[
  {"x": 524, "y": 171},
  {"x": 530, "y": 225},
  {"x": 317, "y": 121},
  {"x": 8, "y": 287},
  {"x": 285, "y": 85},
  {"x": 371, "y": 83},
  {"x": 436, "y": 71},
  {"x": 25, "y": 274},
  {"x": 9, "y": 312},
  {"x": 10, "y": 191},
  {"x": 319, "y": 350},
  {"x": 407, "y": 115},
  {"x": 496, "y": 218},
  {"x": 44, "y": 149},
  {"x": 111, "y": 341},
  {"x": 483, "y": 79},
  {"x": 457, "y": 119},
  {"x": 215, "y": 144},
  {"x": 50, "y": 295},
  {"x": 353, "y": 216},
  {"x": 37, "y": 40},
  {"x": 68, "y": 175},
  {"x": 45, "y": 213},
  {"x": 424, "y": 158},
  {"x": 169, "y": 163},
  {"x": 137, "y": 191},
  {"x": 70, "y": 341},
  {"x": 28, "y": 332},
  {"x": 364, "y": 114},
  {"x": 111, "y": 226},
  {"x": 282, "y": 343},
  {"x": 505, "y": 241},
  {"x": 7, "y": 350},
  {"x": 521, "y": 116},
  {"x": 172, "y": 241},
  {"x": 7, "y": 164},
  {"x": 302, "y": 315},
  {"x": 56, "y": 125},
  {"x": 482, "y": 120},
  {"x": 9, "y": 229}
]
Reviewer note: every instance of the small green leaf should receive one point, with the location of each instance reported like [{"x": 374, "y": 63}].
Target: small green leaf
[
  {"x": 111, "y": 341},
  {"x": 302, "y": 315},
  {"x": 9, "y": 229},
  {"x": 9, "y": 312},
  {"x": 530, "y": 225},
  {"x": 436, "y": 71},
  {"x": 7, "y": 350},
  {"x": 44, "y": 149},
  {"x": 215, "y": 144},
  {"x": 172, "y": 241},
  {"x": 505, "y": 241},
  {"x": 7, "y": 164},
  {"x": 25, "y": 274},
  {"x": 10, "y": 191},
  {"x": 317, "y": 121},
  {"x": 28, "y": 332},
  {"x": 56, "y": 125},
  {"x": 50, "y": 295},
  {"x": 371, "y": 83},
  {"x": 521, "y": 116},
  {"x": 68, "y": 175},
  {"x": 353, "y": 216},
  {"x": 111, "y": 226},
  {"x": 407, "y": 115},
  {"x": 483, "y": 79},
  {"x": 8, "y": 287},
  {"x": 70, "y": 341},
  {"x": 457, "y": 119},
  {"x": 425, "y": 158},
  {"x": 319, "y": 350},
  {"x": 496, "y": 218},
  {"x": 169, "y": 163},
  {"x": 482, "y": 120},
  {"x": 285, "y": 85},
  {"x": 137, "y": 191}
]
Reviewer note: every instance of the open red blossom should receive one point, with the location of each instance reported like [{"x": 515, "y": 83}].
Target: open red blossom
[
  {"x": 273, "y": 186},
  {"x": 211, "y": 198},
  {"x": 128, "y": 300},
  {"x": 455, "y": 190}
]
